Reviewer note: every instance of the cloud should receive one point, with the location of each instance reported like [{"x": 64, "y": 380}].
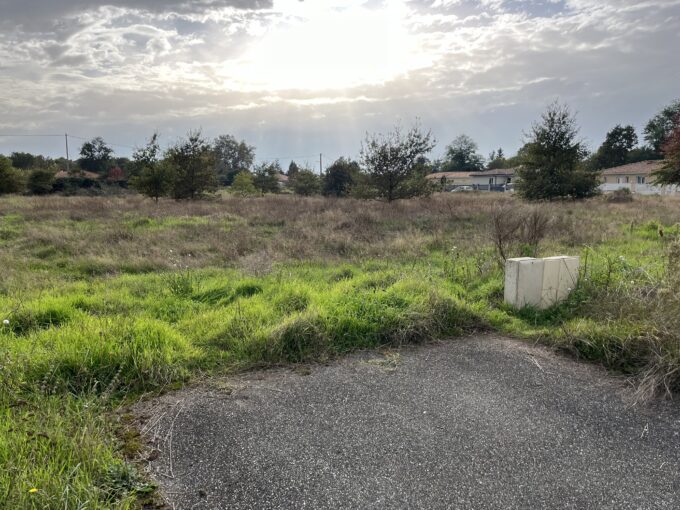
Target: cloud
[{"x": 288, "y": 73}]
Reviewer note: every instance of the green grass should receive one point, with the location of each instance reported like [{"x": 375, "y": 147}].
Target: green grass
[{"x": 91, "y": 329}]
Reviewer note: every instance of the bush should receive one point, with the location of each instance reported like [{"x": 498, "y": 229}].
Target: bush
[
  {"x": 306, "y": 183},
  {"x": 11, "y": 179},
  {"x": 41, "y": 181}
]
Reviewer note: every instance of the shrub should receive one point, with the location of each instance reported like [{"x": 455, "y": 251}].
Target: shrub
[
  {"x": 40, "y": 181},
  {"x": 11, "y": 179}
]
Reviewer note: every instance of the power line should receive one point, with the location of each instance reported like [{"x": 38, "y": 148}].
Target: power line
[{"x": 5, "y": 135}]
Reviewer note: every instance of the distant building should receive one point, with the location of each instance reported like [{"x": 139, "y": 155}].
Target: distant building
[
  {"x": 82, "y": 174},
  {"x": 283, "y": 180},
  {"x": 450, "y": 180},
  {"x": 500, "y": 179},
  {"x": 636, "y": 177}
]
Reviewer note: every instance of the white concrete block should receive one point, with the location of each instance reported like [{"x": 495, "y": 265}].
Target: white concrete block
[
  {"x": 539, "y": 282},
  {"x": 529, "y": 283},
  {"x": 512, "y": 278}
]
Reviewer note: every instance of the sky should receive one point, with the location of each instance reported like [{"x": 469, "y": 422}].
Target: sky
[{"x": 296, "y": 78}]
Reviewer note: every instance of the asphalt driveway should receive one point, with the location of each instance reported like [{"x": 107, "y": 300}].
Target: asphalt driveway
[{"x": 479, "y": 422}]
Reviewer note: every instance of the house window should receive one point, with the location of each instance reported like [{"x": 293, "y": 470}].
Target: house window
[
  {"x": 627, "y": 179},
  {"x": 640, "y": 179},
  {"x": 491, "y": 181}
]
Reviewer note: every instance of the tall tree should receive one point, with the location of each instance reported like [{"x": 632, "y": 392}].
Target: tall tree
[
  {"x": 391, "y": 161},
  {"x": 340, "y": 176},
  {"x": 293, "y": 169},
  {"x": 670, "y": 171},
  {"x": 616, "y": 147},
  {"x": 152, "y": 177},
  {"x": 232, "y": 157},
  {"x": 266, "y": 177},
  {"x": 23, "y": 160},
  {"x": 660, "y": 127},
  {"x": 11, "y": 179},
  {"x": 95, "y": 155},
  {"x": 193, "y": 160},
  {"x": 496, "y": 160},
  {"x": 551, "y": 159},
  {"x": 461, "y": 156}
]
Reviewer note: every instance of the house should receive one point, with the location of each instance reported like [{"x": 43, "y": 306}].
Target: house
[
  {"x": 500, "y": 179},
  {"x": 636, "y": 177},
  {"x": 63, "y": 174},
  {"x": 450, "y": 180},
  {"x": 283, "y": 180}
]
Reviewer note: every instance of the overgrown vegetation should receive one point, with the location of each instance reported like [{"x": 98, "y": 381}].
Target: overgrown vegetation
[{"x": 108, "y": 298}]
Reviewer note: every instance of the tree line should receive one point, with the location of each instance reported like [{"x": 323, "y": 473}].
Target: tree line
[{"x": 553, "y": 162}]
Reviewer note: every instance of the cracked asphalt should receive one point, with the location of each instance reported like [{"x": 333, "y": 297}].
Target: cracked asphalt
[{"x": 481, "y": 422}]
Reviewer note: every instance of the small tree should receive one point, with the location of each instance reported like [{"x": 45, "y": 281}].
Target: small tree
[
  {"x": 551, "y": 159},
  {"x": 616, "y": 147},
  {"x": 392, "y": 162},
  {"x": 155, "y": 181},
  {"x": 40, "y": 181},
  {"x": 152, "y": 177},
  {"x": 462, "y": 156},
  {"x": 11, "y": 179},
  {"x": 660, "y": 127},
  {"x": 669, "y": 174},
  {"x": 306, "y": 183},
  {"x": 95, "y": 155},
  {"x": 243, "y": 185},
  {"x": 231, "y": 158},
  {"x": 340, "y": 177},
  {"x": 266, "y": 177},
  {"x": 193, "y": 160}
]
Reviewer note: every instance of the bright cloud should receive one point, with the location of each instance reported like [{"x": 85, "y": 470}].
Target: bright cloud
[{"x": 312, "y": 76}]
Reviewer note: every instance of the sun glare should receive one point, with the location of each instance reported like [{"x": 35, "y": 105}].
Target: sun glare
[{"x": 324, "y": 47}]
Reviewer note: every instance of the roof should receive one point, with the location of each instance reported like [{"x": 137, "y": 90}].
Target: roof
[
  {"x": 504, "y": 172},
  {"x": 639, "y": 168},
  {"x": 63, "y": 174},
  {"x": 282, "y": 177},
  {"x": 448, "y": 175}
]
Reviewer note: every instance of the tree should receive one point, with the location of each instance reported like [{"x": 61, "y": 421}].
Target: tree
[
  {"x": 11, "y": 179},
  {"x": 95, "y": 155},
  {"x": 22, "y": 160},
  {"x": 193, "y": 160},
  {"x": 243, "y": 184},
  {"x": 152, "y": 177},
  {"x": 660, "y": 127},
  {"x": 391, "y": 161},
  {"x": 496, "y": 160},
  {"x": 40, "y": 181},
  {"x": 266, "y": 177},
  {"x": 616, "y": 147},
  {"x": 461, "y": 156},
  {"x": 155, "y": 181},
  {"x": 551, "y": 163},
  {"x": 670, "y": 171},
  {"x": 232, "y": 157},
  {"x": 306, "y": 183},
  {"x": 340, "y": 177},
  {"x": 293, "y": 169}
]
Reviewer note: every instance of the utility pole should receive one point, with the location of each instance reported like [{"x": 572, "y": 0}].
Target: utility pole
[
  {"x": 68, "y": 165},
  {"x": 320, "y": 165}
]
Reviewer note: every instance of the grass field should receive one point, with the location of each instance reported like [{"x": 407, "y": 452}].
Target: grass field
[{"x": 111, "y": 298}]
